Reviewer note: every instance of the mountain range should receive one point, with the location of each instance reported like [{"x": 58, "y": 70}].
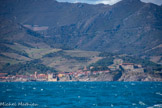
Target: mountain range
[
  {"x": 31, "y": 29},
  {"x": 129, "y": 26}
]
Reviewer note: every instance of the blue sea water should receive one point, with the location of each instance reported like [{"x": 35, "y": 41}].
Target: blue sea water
[{"x": 81, "y": 94}]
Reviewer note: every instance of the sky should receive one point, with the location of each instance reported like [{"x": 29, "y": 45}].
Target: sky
[{"x": 110, "y": 2}]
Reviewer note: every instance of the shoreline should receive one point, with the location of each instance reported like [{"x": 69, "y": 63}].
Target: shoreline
[{"x": 72, "y": 81}]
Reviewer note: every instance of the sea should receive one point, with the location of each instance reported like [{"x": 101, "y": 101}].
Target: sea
[{"x": 81, "y": 94}]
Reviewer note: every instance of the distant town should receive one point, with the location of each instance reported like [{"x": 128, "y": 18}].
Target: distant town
[{"x": 80, "y": 75}]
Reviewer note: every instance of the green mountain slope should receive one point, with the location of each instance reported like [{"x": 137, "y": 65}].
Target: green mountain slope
[
  {"x": 130, "y": 26},
  {"x": 48, "y": 36},
  {"x": 136, "y": 31}
]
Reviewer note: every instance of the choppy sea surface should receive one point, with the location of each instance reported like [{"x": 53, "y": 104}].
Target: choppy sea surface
[{"x": 81, "y": 94}]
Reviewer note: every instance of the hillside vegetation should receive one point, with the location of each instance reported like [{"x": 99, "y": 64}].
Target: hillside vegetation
[{"x": 78, "y": 35}]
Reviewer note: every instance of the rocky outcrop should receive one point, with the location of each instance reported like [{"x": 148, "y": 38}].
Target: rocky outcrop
[
  {"x": 126, "y": 76},
  {"x": 139, "y": 77}
]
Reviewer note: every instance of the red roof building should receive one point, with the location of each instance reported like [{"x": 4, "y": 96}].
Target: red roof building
[{"x": 3, "y": 74}]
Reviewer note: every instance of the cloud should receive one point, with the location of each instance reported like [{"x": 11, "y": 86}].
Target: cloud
[
  {"x": 110, "y": 2},
  {"x": 78, "y": 1},
  {"x": 158, "y": 2}
]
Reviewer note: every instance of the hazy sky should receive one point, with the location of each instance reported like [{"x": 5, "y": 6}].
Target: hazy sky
[{"x": 158, "y": 2}]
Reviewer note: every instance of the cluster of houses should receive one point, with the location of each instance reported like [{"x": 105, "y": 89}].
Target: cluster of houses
[
  {"x": 67, "y": 76},
  {"x": 127, "y": 67},
  {"x": 4, "y": 77},
  {"x": 75, "y": 76},
  {"x": 51, "y": 77}
]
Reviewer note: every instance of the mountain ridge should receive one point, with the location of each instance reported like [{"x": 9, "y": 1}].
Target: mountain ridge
[
  {"x": 130, "y": 28},
  {"x": 126, "y": 25},
  {"x": 97, "y": 23}
]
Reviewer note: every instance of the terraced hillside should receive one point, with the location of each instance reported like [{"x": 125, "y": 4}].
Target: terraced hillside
[{"x": 48, "y": 36}]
